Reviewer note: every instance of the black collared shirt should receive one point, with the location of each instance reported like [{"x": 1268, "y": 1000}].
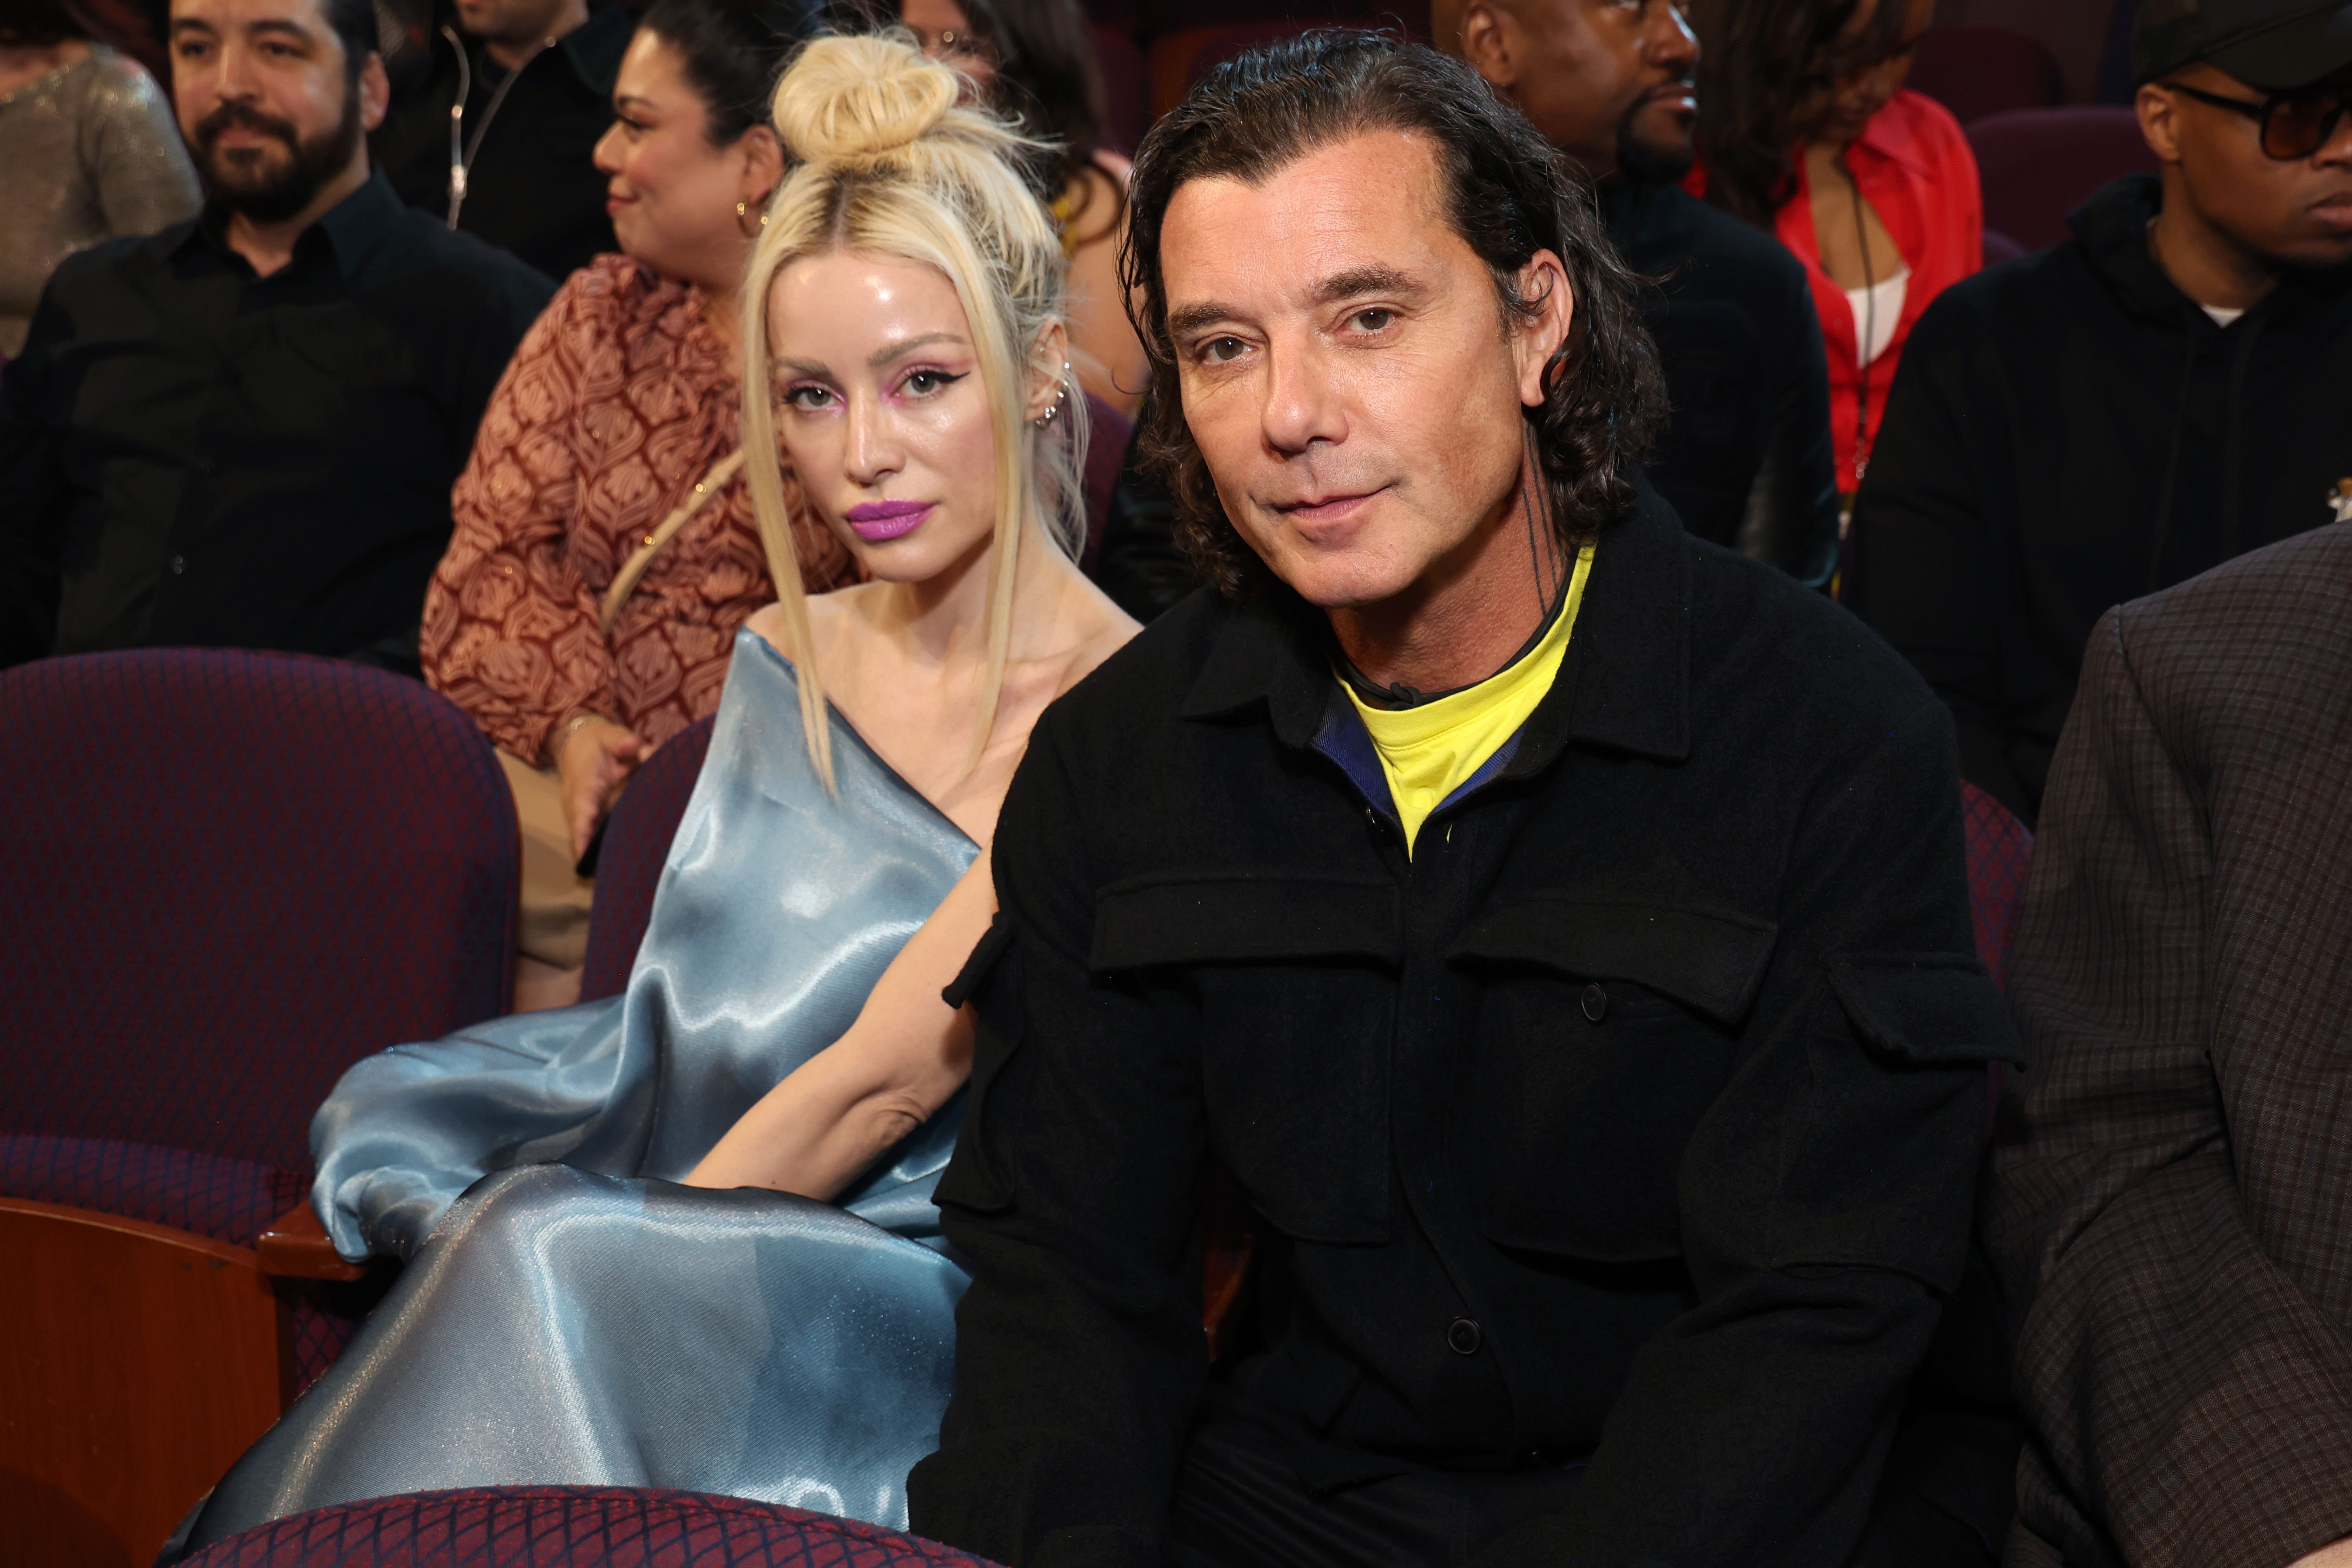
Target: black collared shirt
[
  {"x": 192, "y": 455},
  {"x": 1633, "y": 1119},
  {"x": 533, "y": 187}
]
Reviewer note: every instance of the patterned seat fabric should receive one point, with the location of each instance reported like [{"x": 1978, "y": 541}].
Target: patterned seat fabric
[
  {"x": 629, "y": 865},
  {"x": 2000, "y": 856},
  {"x": 573, "y": 1527},
  {"x": 227, "y": 1200}
]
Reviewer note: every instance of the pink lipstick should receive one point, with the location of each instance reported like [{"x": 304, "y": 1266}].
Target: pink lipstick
[{"x": 877, "y": 520}]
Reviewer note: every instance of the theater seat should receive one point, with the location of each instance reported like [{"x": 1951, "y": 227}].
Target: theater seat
[
  {"x": 1977, "y": 71},
  {"x": 2000, "y": 857},
  {"x": 629, "y": 865},
  {"x": 2036, "y": 166},
  {"x": 573, "y": 1527},
  {"x": 1178, "y": 59},
  {"x": 1109, "y": 432},
  {"x": 230, "y": 875}
]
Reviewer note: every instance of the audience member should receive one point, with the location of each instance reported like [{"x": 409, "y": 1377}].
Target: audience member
[
  {"x": 2169, "y": 1202},
  {"x": 1746, "y": 459},
  {"x": 605, "y": 548},
  {"x": 1033, "y": 59},
  {"x": 2141, "y": 402},
  {"x": 242, "y": 431},
  {"x": 607, "y": 1321},
  {"x": 1582, "y": 1001},
  {"x": 494, "y": 126},
  {"x": 88, "y": 152},
  {"x": 1807, "y": 133}
]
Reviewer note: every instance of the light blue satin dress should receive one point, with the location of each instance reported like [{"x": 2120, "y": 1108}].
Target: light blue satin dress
[{"x": 574, "y": 1316}]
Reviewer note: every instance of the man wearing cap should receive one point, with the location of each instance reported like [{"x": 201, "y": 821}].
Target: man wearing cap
[{"x": 2156, "y": 396}]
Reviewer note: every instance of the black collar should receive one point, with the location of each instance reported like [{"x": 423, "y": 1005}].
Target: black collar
[
  {"x": 349, "y": 230},
  {"x": 1625, "y": 686}
]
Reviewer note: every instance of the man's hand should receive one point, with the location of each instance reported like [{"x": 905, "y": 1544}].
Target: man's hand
[
  {"x": 596, "y": 760},
  {"x": 2337, "y": 1556}
]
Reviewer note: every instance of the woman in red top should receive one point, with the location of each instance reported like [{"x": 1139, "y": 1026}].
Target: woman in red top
[
  {"x": 1804, "y": 129},
  {"x": 576, "y": 627}
]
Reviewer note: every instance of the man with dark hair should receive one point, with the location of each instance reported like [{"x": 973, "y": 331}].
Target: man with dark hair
[
  {"x": 2120, "y": 413},
  {"x": 242, "y": 431},
  {"x": 1579, "y": 999},
  {"x": 494, "y": 120},
  {"x": 1746, "y": 459}
]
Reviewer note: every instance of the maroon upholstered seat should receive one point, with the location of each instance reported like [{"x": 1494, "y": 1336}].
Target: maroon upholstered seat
[
  {"x": 230, "y": 876},
  {"x": 2037, "y": 165},
  {"x": 2000, "y": 857},
  {"x": 573, "y": 1527},
  {"x": 1127, "y": 101},
  {"x": 629, "y": 865},
  {"x": 1977, "y": 71}
]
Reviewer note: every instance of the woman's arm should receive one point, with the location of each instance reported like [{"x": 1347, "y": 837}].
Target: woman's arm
[{"x": 906, "y": 1055}]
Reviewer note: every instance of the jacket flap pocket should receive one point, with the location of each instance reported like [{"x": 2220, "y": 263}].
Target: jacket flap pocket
[
  {"x": 1241, "y": 919},
  {"x": 1931, "y": 1008},
  {"x": 1709, "y": 961}
]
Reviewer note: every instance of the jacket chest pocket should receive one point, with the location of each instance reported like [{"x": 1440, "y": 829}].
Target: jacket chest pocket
[
  {"x": 1294, "y": 979},
  {"x": 1605, "y": 1031}
]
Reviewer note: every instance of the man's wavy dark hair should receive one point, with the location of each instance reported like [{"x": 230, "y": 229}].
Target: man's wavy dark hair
[{"x": 1510, "y": 195}]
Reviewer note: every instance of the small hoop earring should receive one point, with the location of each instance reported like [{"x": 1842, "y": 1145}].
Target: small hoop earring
[{"x": 742, "y": 216}]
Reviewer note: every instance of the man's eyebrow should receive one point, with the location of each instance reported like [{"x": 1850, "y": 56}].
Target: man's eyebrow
[
  {"x": 282, "y": 25},
  {"x": 192, "y": 25},
  {"x": 1189, "y": 318},
  {"x": 1358, "y": 282},
  {"x": 889, "y": 351}
]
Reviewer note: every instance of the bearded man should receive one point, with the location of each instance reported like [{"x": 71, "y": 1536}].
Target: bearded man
[{"x": 242, "y": 431}]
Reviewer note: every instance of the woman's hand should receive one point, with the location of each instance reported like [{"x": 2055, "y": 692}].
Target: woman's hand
[
  {"x": 2337, "y": 1556},
  {"x": 596, "y": 759}
]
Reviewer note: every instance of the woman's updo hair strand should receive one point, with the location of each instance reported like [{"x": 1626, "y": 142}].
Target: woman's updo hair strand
[{"x": 859, "y": 98}]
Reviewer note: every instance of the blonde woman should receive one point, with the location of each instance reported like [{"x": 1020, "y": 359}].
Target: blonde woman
[{"x": 583, "y": 1317}]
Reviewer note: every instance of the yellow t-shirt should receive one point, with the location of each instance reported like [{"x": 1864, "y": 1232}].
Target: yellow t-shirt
[{"x": 1429, "y": 751}]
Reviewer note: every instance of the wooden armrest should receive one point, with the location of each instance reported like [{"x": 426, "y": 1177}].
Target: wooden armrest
[{"x": 295, "y": 1247}]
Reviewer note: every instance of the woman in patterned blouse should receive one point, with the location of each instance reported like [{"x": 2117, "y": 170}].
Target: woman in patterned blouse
[{"x": 619, "y": 412}]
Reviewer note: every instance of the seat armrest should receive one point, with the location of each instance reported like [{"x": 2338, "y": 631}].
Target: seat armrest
[{"x": 295, "y": 1247}]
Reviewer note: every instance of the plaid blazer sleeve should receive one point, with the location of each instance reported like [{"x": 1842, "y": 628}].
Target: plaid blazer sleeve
[{"x": 2190, "y": 1403}]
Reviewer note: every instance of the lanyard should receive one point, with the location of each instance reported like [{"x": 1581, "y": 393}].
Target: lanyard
[{"x": 461, "y": 151}]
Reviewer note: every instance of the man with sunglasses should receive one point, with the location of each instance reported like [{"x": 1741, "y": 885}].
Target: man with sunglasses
[{"x": 2122, "y": 412}]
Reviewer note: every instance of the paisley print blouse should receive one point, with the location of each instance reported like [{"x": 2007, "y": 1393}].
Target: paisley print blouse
[{"x": 619, "y": 400}]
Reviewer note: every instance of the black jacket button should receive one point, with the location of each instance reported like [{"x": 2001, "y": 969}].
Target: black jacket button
[
  {"x": 1596, "y": 1002},
  {"x": 1462, "y": 1337}
]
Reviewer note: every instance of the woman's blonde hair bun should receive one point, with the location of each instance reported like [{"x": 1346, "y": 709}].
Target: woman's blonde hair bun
[{"x": 849, "y": 99}]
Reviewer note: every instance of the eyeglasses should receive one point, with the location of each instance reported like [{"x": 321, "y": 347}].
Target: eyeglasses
[{"x": 2293, "y": 124}]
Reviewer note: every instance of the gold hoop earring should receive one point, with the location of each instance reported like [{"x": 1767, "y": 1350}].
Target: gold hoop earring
[{"x": 742, "y": 216}]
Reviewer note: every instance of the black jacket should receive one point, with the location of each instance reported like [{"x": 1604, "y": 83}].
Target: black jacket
[
  {"x": 533, "y": 187},
  {"x": 1635, "y": 1118},
  {"x": 1747, "y": 461},
  {"x": 192, "y": 455},
  {"x": 2070, "y": 431}
]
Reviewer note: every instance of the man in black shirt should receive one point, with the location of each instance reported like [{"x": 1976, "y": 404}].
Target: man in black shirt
[
  {"x": 1746, "y": 459},
  {"x": 2128, "y": 409},
  {"x": 242, "y": 431},
  {"x": 1554, "y": 923},
  {"x": 535, "y": 81}
]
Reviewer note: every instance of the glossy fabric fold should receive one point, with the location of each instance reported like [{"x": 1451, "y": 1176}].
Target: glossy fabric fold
[
  {"x": 576, "y": 1316},
  {"x": 778, "y": 910}
]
